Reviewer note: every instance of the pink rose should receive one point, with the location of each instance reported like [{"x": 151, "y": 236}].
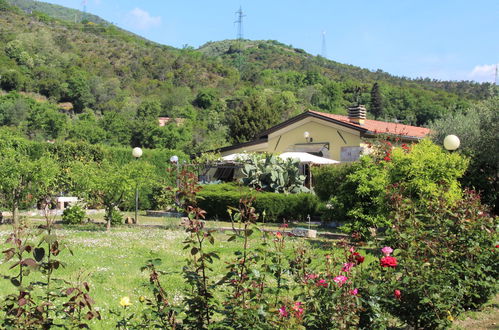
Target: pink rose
[
  {"x": 340, "y": 280},
  {"x": 397, "y": 294},
  {"x": 386, "y": 251},
  {"x": 354, "y": 292},
  {"x": 298, "y": 310},
  {"x": 283, "y": 312},
  {"x": 347, "y": 266},
  {"x": 321, "y": 283},
  {"x": 311, "y": 276}
]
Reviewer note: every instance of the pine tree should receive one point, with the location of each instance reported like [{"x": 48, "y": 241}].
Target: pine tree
[{"x": 376, "y": 101}]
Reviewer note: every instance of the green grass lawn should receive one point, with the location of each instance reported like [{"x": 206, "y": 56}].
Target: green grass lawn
[{"x": 111, "y": 260}]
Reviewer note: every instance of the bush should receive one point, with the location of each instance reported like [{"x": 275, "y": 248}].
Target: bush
[
  {"x": 447, "y": 255},
  {"x": 115, "y": 217},
  {"x": 73, "y": 215},
  {"x": 327, "y": 179},
  {"x": 216, "y": 199},
  {"x": 358, "y": 193}
]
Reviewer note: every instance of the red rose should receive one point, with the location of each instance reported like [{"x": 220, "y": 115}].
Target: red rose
[
  {"x": 357, "y": 258},
  {"x": 397, "y": 294},
  {"x": 389, "y": 262}
]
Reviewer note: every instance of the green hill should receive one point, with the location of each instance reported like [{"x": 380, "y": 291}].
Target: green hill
[{"x": 114, "y": 84}]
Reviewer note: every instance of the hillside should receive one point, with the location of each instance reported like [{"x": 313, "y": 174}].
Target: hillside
[
  {"x": 112, "y": 85},
  {"x": 56, "y": 11}
]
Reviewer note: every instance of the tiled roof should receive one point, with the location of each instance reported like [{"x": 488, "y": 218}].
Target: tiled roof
[{"x": 380, "y": 127}]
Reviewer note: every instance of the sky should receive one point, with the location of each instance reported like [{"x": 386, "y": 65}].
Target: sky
[{"x": 438, "y": 39}]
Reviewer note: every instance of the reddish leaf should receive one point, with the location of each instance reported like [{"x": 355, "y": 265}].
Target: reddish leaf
[
  {"x": 22, "y": 302},
  {"x": 29, "y": 262}
]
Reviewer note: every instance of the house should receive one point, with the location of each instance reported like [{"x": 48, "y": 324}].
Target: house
[
  {"x": 163, "y": 121},
  {"x": 327, "y": 135}
]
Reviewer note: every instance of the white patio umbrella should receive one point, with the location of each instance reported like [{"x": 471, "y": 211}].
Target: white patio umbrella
[
  {"x": 304, "y": 157},
  {"x": 234, "y": 157}
]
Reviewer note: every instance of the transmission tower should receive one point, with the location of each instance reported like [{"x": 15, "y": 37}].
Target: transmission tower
[
  {"x": 496, "y": 77},
  {"x": 324, "y": 48},
  {"x": 84, "y": 4},
  {"x": 239, "y": 22}
]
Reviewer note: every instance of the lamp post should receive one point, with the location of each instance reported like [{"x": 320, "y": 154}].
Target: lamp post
[
  {"x": 174, "y": 160},
  {"x": 136, "y": 152},
  {"x": 451, "y": 142}
]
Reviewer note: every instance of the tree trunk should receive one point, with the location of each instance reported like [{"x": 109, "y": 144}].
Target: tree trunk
[{"x": 15, "y": 214}]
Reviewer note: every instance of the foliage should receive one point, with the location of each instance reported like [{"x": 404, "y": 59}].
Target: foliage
[
  {"x": 25, "y": 180},
  {"x": 424, "y": 170},
  {"x": 446, "y": 256},
  {"x": 271, "y": 173},
  {"x": 74, "y": 214},
  {"x": 326, "y": 179},
  {"x": 37, "y": 304},
  {"x": 217, "y": 198},
  {"x": 109, "y": 184},
  {"x": 228, "y": 90},
  {"x": 477, "y": 130}
]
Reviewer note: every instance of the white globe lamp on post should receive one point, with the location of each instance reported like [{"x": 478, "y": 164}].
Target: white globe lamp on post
[
  {"x": 451, "y": 142},
  {"x": 306, "y": 135},
  {"x": 136, "y": 152},
  {"x": 174, "y": 160}
]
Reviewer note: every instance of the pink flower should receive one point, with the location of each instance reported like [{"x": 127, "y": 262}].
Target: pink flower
[
  {"x": 354, "y": 292},
  {"x": 352, "y": 249},
  {"x": 347, "y": 266},
  {"x": 283, "y": 312},
  {"x": 298, "y": 310},
  {"x": 397, "y": 294},
  {"x": 321, "y": 283},
  {"x": 387, "y": 251},
  {"x": 340, "y": 280},
  {"x": 311, "y": 277}
]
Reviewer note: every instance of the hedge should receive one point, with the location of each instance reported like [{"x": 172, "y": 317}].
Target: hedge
[
  {"x": 215, "y": 200},
  {"x": 327, "y": 179}
]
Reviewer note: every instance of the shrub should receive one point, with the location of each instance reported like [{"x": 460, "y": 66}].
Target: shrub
[
  {"x": 216, "y": 199},
  {"x": 358, "y": 193},
  {"x": 327, "y": 179},
  {"x": 115, "y": 217},
  {"x": 447, "y": 256},
  {"x": 73, "y": 215}
]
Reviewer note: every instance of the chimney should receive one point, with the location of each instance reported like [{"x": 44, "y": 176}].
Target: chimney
[{"x": 357, "y": 114}]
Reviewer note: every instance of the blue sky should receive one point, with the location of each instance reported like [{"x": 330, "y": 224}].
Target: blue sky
[{"x": 441, "y": 39}]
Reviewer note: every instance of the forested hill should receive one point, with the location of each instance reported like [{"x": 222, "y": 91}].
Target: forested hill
[{"x": 92, "y": 81}]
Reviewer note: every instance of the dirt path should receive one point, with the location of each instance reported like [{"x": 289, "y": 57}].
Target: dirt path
[{"x": 484, "y": 320}]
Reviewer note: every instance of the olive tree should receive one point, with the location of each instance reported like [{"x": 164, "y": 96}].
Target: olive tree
[
  {"x": 109, "y": 184},
  {"x": 25, "y": 180}
]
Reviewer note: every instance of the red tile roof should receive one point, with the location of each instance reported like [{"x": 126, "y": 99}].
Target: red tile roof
[{"x": 380, "y": 127}]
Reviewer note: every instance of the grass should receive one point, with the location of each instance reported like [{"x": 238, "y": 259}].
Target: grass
[{"x": 111, "y": 261}]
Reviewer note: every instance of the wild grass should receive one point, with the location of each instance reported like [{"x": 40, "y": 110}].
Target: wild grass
[{"x": 111, "y": 260}]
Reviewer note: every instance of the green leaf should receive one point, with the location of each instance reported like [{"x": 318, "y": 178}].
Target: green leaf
[{"x": 39, "y": 253}]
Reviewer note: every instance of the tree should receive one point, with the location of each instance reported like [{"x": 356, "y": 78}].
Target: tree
[
  {"x": 477, "y": 129},
  {"x": 376, "y": 101},
  {"x": 110, "y": 184},
  {"x": 248, "y": 115},
  {"x": 24, "y": 180},
  {"x": 146, "y": 121}
]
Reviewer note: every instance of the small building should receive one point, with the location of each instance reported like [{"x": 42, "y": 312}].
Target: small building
[{"x": 327, "y": 135}]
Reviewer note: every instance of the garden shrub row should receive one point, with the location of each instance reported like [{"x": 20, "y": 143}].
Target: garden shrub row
[{"x": 216, "y": 199}]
